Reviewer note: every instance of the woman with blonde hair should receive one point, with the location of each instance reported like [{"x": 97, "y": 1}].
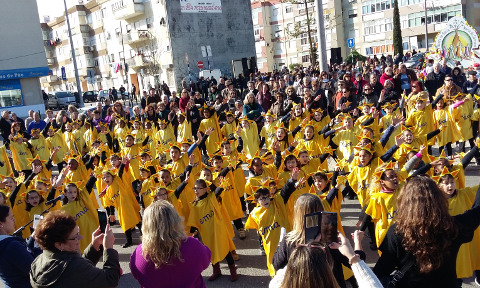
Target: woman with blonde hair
[
  {"x": 306, "y": 204},
  {"x": 167, "y": 257}
]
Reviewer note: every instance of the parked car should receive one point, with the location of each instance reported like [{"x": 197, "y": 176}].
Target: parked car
[
  {"x": 53, "y": 102},
  {"x": 102, "y": 95},
  {"x": 65, "y": 98},
  {"x": 413, "y": 62},
  {"x": 89, "y": 96}
]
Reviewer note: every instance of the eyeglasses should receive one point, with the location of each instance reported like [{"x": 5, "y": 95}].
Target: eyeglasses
[
  {"x": 367, "y": 89},
  {"x": 414, "y": 86},
  {"x": 77, "y": 237}
]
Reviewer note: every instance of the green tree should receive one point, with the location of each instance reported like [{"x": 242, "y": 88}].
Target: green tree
[
  {"x": 397, "y": 30},
  {"x": 298, "y": 29},
  {"x": 355, "y": 56}
]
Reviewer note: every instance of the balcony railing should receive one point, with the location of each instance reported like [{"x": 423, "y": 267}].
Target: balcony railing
[
  {"x": 126, "y": 9},
  {"x": 134, "y": 37},
  {"x": 136, "y": 62}
]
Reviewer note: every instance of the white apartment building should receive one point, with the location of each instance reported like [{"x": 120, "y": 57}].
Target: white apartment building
[{"x": 369, "y": 23}]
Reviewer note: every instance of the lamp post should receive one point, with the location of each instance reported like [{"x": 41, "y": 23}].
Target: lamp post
[{"x": 77, "y": 79}]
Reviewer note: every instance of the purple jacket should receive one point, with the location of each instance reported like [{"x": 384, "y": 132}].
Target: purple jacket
[{"x": 196, "y": 258}]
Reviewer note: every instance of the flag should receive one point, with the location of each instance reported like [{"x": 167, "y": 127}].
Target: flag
[{"x": 117, "y": 67}]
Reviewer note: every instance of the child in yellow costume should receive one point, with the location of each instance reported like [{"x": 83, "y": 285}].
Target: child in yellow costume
[
  {"x": 149, "y": 183},
  {"x": 210, "y": 121},
  {"x": 326, "y": 187},
  {"x": 249, "y": 134},
  {"x": 258, "y": 171},
  {"x": 271, "y": 215},
  {"x": 298, "y": 116},
  {"x": 443, "y": 116},
  {"x": 459, "y": 201},
  {"x": 387, "y": 120},
  {"x": 121, "y": 130},
  {"x": 267, "y": 134},
  {"x": 121, "y": 197},
  {"x": 316, "y": 145},
  {"x": 134, "y": 150},
  {"x": 39, "y": 144},
  {"x": 55, "y": 139},
  {"x": 230, "y": 198},
  {"x": 382, "y": 207},
  {"x": 230, "y": 127},
  {"x": 77, "y": 203},
  {"x": 213, "y": 225},
  {"x": 184, "y": 128},
  {"x": 463, "y": 114},
  {"x": 78, "y": 171},
  {"x": 77, "y": 134},
  {"x": 17, "y": 202},
  {"x": 20, "y": 149},
  {"x": 5, "y": 166},
  {"x": 345, "y": 137},
  {"x": 412, "y": 142},
  {"x": 320, "y": 119},
  {"x": 164, "y": 137}
]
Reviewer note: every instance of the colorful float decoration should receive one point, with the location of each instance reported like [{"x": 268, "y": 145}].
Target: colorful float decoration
[{"x": 458, "y": 40}]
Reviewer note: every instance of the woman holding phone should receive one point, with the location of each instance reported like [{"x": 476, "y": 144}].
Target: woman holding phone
[{"x": 307, "y": 204}]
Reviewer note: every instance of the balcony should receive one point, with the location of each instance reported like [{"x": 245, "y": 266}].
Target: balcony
[
  {"x": 136, "y": 62},
  {"x": 80, "y": 29},
  {"x": 101, "y": 46},
  {"x": 51, "y": 61},
  {"x": 134, "y": 37},
  {"x": 126, "y": 9},
  {"x": 52, "y": 78},
  {"x": 97, "y": 23}
]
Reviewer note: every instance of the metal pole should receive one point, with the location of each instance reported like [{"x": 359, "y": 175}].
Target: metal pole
[
  {"x": 79, "y": 88},
  {"x": 322, "y": 43},
  {"x": 426, "y": 28},
  {"x": 124, "y": 63}
]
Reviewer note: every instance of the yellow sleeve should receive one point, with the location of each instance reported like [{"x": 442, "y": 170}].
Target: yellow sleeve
[{"x": 251, "y": 224}]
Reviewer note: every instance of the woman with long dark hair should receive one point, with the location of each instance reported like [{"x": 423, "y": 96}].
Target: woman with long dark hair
[{"x": 425, "y": 239}]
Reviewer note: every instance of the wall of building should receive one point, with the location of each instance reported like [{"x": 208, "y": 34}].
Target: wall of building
[
  {"x": 21, "y": 52},
  {"x": 229, "y": 34}
]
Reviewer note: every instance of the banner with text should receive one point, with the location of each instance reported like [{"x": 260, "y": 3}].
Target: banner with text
[{"x": 201, "y": 6}]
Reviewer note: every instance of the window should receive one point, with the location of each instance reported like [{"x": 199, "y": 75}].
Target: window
[
  {"x": 352, "y": 13},
  {"x": 128, "y": 27},
  {"x": 288, "y": 9},
  {"x": 149, "y": 22},
  {"x": 10, "y": 93},
  {"x": 373, "y": 6},
  {"x": 306, "y": 58}
]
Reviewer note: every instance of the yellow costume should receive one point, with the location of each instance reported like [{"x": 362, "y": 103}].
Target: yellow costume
[
  {"x": 212, "y": 140},
  {"x": 251, "y": 141}
]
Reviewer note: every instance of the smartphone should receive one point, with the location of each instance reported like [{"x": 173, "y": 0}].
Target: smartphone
[
  {"x": 36, "y": 220},
  {"x": 102, "y": 219},
  {"x": 329, "y": 227},
  {"x": 313, "y": 226}
]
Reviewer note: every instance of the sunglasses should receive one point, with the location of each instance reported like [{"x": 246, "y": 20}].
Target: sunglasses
[{"x": 367, "y": 89}]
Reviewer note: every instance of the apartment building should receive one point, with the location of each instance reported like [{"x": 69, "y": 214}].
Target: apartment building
[
  {"x": 146, "y": 42},
  {"x": 368, "y": 23},
  {"x": 22, "y": 60}
]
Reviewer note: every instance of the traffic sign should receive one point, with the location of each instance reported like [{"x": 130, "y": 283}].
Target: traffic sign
[
  {"x": 200, "y": 64},
  {"x": 350, "y": 43}
]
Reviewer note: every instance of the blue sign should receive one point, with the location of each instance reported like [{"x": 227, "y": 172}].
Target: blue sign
[
  {"x": 10, "y": 85},
  {"x": 23, "y": 73},
  {"x": 64, "y": 73},
  {"x": 350, "y": 43}
]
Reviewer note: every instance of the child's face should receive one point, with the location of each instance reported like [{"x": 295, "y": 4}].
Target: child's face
[
  {"x": 144, "y": 174},
  {"x": 166, "y": 177},
  {"x": 419, "y": 105},
  {"x": 35, "y": 134},
  {"x": 217, "y": 164},
  {"x": 389, "y": 110},
  {"x": 245, "y": 124},
  {"x": 309, "y": 133},
  {"x": 76, "y": 125},
  {"x": 145, "y": 157},
  {"x": 148, "y": 125},
  {"x": 33, "y": 198},
  {"x": 303, "y": 158},
  {"x": 10, "y": 183},
  {"x": 447, "y": 186},
  {"x": 257, "y": 166},
  {"x": 199, "y": 190},
  {"x": 366, "y": 109},
  {"x": 364, "y": 157},
  {"x": 107, "y": 178},
  {"x": 390, "y": 181},
  {"x": 40, "y": 186},
  {"x": 280, "y": 134},
  {"x": 71, "y": 193},
  {"x": 174, "y": 154},
  {"x": 129, "y": 141},
  {"x": 408, "y": 136},
  {"x": 272, "y": 188},
  {"x": 264, "y": 201},
  {"x": 320, "y": 183},
  {"x": 136, "y": 125},
  {"x": 36, "y": 164},
  {"x": 297, "y": 110},
  {"x": 185, "y": 147},
  {"x": 206, "y": 113},
  {"x": 269, "y": 119},
  {"x": 50, "y": 132},
  {"x": 348, "y": 122},
  {"x": 163, "y": 125},
  {"x": 440, "y": 104},
  {"x": 227, "y": 149},
  {"x": 68, "y": 127},
  {"x": 230, "y": 118},
  {"x": 317, "y": 116},
  {"x": 291, "y": 164},
  {"x": 115, "y": 161},
  {"x": 207, "y": 175},
  {"x": 162, "y": 194}
]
